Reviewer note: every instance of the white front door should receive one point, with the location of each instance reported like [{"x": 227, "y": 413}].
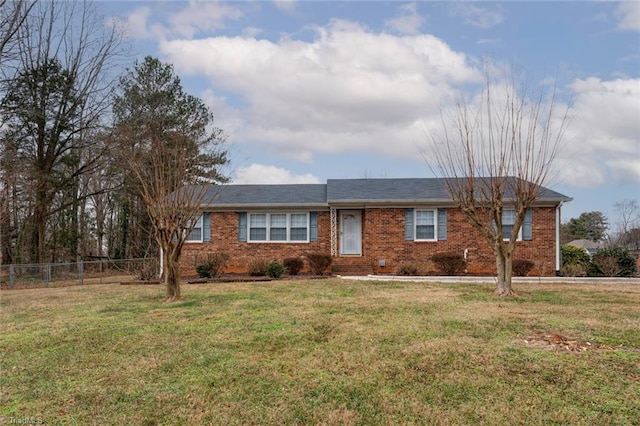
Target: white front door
[{"x": 351, "y": 232}]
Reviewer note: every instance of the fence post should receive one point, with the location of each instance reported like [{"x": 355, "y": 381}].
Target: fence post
[
  {"x": 47, "y": 273},
  {"x": 81, "y": 272},
  {"x": 12, "y": 276}
]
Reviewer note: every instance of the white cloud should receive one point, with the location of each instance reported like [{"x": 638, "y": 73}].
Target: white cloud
[
  {"x": 259, "y": 173},
  {"x": 202, "y": 16},
  {"x": 197, "y": 16},
  {"x": 286, "y": 5},
  {"x": 604, "y": 132},
  {"x": 601, "y": 141},
  {"x": 628, "y": 14},
  {"x": 477, "y": 16},
  {"x": 408, "y": 21},
  {"x": 135, "y": 24},
  {"x": 347, "y": 90},
  {"x": 251, "y": 32}
]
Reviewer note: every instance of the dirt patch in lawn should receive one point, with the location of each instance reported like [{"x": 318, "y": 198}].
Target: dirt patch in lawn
[{"x": 560, "y": 343}]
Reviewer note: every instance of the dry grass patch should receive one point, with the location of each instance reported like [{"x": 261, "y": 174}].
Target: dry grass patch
[{"x": 321, "y": 352}]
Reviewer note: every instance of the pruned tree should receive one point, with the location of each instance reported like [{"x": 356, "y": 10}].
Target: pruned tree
[
  {"x": 166, "y": 141},
  {"x": 496, "y": 153}
]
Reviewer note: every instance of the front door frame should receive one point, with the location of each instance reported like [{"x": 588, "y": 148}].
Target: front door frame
[{"x": 357, "y": 251}]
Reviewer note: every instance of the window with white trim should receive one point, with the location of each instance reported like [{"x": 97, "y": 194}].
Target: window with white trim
[
  {"x": 299, "y": 227},
  {"x": 278, "y": 227},
  {"x": 426, "y": 226},
  {"x": 508, "y": 222},
  {"x": 195, "y": 236}
]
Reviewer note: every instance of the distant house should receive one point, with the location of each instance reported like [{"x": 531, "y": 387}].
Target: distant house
[
  {"x": 588, "y": 245},
  {"x": 366, "y": 225}
]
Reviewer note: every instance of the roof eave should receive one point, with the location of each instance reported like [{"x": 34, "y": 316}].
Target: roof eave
[
  {"x": 249, "y": 206},
  {"x": 336, "y": 202}
]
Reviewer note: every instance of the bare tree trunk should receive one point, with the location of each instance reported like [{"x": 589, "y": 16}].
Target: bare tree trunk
[
  {"x": 504, "y": 264},
  {"x": 172, "y": 274}
]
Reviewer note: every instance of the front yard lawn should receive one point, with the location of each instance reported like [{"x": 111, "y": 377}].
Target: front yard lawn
[{"x": 321, "y": 352}]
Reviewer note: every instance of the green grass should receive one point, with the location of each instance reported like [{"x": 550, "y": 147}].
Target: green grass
[{"x": 320, "y": 352}]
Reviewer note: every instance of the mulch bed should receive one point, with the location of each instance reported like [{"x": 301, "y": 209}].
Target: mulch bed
[
  {"x": 140, "y": 282},
  {"x": 242, "y": 278}
]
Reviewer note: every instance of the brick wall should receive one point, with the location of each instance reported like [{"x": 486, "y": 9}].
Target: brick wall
[
  {"x": 382, "y": 238},
  {"x": 388, "y": 242},
  {"x": 224, "y": 238}
]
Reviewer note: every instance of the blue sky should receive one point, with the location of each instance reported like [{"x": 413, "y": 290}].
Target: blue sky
[{"x": 311, "y": 90}]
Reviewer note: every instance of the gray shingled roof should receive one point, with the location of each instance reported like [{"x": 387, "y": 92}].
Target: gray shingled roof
[
  {"x": 337, "y": 191},
  {"x": 267, "y": 195},
  {"x": 399, "y": 190},
  {"x": 346, "y": 190}
]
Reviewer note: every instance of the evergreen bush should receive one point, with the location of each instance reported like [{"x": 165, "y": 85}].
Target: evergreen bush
[
  {"x": 613, "y": 262},
  {"x": 275, "y": 269}
]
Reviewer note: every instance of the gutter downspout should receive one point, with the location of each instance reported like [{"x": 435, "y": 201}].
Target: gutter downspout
[{"x": 558, "y": 252}]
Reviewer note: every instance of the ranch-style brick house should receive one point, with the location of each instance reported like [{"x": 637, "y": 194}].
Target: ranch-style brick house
[{"x": 368, "y": 226}]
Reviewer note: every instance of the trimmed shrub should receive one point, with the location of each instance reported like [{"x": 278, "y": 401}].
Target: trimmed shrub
[
  {"x": 212, "y": 265},
  {"x": 275, "y": 269},
  {"x": 319, "y": 262},
  {"x": 257, "y": 267},
  {"x": 407, "y": 269},
  {"x": 449, "y": 263},
  {"x": 293, "y": 265},
  {"x": 521, "y": 267},
  {"x": 613, "y": 262},
  {"x": 575, "y": 256}
]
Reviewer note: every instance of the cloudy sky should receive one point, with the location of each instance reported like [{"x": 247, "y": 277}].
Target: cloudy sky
[{"x": 311, "y": 90}]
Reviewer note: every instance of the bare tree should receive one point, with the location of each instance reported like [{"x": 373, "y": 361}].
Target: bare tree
[
  {"x": 496, "y": 153},
  {"x": 51, "y": 110},
  {"x": 165, "y": 139},
  {"x": 13, "y": 13},
  {"x": 627, "y": 231}
]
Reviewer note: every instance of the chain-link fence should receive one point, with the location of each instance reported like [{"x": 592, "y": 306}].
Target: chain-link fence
[{"x": 77, "y": 273}]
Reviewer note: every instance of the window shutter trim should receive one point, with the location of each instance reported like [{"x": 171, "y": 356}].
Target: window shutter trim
[
  {"x": 442, "y": 224},
  {"x": 313, "y": 226},
  {"x": 408, "y": 224},
  {"x": 527, "y": 226},
  {"x": 206, "y": 226},
  {"x": 242, "y": 226}
]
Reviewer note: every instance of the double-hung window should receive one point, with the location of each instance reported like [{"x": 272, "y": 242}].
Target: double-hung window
[
  {"x": 278, "y": 227},
  {"x": 258, "y": 227},
  {"x": 508, "y": 222},
  {"x": 195, "y": 236},
  {"x": 299, "y": 227},
  {"x": 425, "y": 222}
]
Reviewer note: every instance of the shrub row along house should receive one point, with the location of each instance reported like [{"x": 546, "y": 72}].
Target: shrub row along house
[{"x": 366, "y": 225}]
